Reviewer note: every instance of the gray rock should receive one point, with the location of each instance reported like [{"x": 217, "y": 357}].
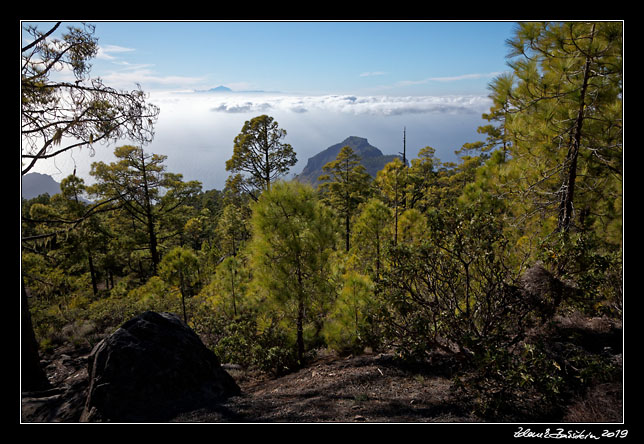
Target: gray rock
[
  {"x": 151, "y": 369},
  {"x": 544, "y": 291},
  {"x": 370, "y": 157}
]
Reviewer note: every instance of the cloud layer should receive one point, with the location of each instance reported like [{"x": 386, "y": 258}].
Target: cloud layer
[
  {"x": 354, "y": 105},
  {"x": 197, "y": 130}
]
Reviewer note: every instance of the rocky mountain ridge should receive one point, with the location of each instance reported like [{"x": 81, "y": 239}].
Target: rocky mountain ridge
[
  {"x": 371, "y": 158},
  {"x": 35, "y": 184}
]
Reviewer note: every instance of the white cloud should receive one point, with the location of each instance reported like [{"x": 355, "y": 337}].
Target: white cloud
[
  {"x": 196, "y": 130},
  {"x": 466, "y": 77},
  {"x": 130, "y": 74},
  {"x": 349, "y": 104},
  {"x": 245, "y": 107},
  {"x": 449, "y": 79},
  {"x": 372, "y": 73},
  {"x": 105, "y": 51},
  {"x": 127, "y": 78}
]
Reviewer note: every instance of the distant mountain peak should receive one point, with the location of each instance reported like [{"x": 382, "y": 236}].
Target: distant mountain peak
[
  {"x": 360, "y": 145},
  {"x": 35, "y": 184},
  {"x": 220, "y": 88},
  {"x": 370, "y": 157},
  {"x": 225, "y": 89}
]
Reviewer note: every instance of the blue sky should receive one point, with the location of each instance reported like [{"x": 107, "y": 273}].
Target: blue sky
[
  {"x": 307, "y": 57},
  {"x": 323, "y": 82}
]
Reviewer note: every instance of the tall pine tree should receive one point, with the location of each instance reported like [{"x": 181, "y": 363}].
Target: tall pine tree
[
  {"x": 345, "y": 186},
  {"x": 562, "y": 115},
  {"x": 260, "y": 154},
  {"x": 293, "y": 236}
]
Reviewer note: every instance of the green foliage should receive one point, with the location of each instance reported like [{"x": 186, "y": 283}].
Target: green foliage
[
  {"x": 348, "y": 327},
  {"x": 412, "y": 227},
  {"x": 269, "y": 350},
  {"x": 423, "y": 180},
  {"x": 544, "y": 371},
  {"x": 596, "y": 271},
  {"x": 260, "y": 153},
  {"x": 345, "y": 187},
  {"x": 226, "y": 292},
  {"x": 454, "y": 291},
  {"x": 293, "y": 235},
  {"x": 372, "y": 234},
  {"x": 253, "y": 338},
  {"x": 233, "y": 228},
  {"x": 562, "y": 114},
  {"x": 179, "y": 268},
  {"x": 391, "y": 184},
  {"x": 82, "y": 111}
]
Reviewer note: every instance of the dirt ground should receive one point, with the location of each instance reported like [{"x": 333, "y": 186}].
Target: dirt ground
[
  {"x": 365, "y": 388},
  {"x": 376, "y": 387}
]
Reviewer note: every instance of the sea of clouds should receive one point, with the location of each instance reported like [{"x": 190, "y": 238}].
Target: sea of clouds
[
  {"x": 352, "y": 105},
  {"x": 196, "y": 129}
]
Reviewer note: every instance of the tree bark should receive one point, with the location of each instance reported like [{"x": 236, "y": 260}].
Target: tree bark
[
  {"x": 92, "y": 272},
  {"x": 347, "y": 230},
  {"x": 300, "y": 332},
  {"x": 33, "y": 377},
  {"x": 568, "y": 187},
  {"x": 300, "y": 319},
  {"x": 150, "y": 218},
  {"x": 267, "y": 166}
]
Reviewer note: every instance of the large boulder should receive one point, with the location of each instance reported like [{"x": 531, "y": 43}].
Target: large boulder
[
  {"x": 544, "y": 291},
  {"x": 150, "y": 369}
]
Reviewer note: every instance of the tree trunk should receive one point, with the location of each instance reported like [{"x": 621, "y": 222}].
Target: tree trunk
[
  {"x": 232, "y": 285},
  {"x": 32, "y": 375},
  {"x": 377, "y": 257},
  {"x": 150, "y": 220},
  {"x": 347, "y": 231},
  {"x": 267, "y": 166},
  {"x": 153, "y": 243},
  {"x": 300, "y": 332},
  {"x": 300, "y": 318},
  {"x": 396, "y": 211},
  {"x": 183, "y": 304},
  {"x": 568, "y": 186},
  {"x": 92, "y": 273}
]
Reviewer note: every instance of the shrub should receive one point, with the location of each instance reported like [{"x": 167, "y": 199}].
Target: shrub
[{"x": 455, "y": 291}]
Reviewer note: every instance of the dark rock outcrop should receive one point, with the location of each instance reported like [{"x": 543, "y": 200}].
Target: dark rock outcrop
[
  {"x": 545, "y": 291},
  {"x": 151, "y": 369},
  {"x": 370, "y": 157}
]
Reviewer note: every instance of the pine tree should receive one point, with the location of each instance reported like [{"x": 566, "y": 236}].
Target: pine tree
[
  {"x": 260, "y": 154},
  {"x": 179, "y": 268},
  {"x": 345, "y": 186},
  {"x": 139, "y": 184},
  {"x": 58, "y": 116},
  {"x": 391, "y": 182},
  {"x": 372, "y": 234},
  {"x": 293, "y": 235},
  {"x": 562, "y": 115}
]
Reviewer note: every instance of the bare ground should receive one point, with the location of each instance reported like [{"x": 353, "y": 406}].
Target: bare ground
[{"x": 365, "y": 388}]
